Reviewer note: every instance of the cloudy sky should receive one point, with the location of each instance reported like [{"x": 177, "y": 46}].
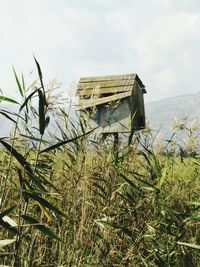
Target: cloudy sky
[{"x": 158, "y": 39}]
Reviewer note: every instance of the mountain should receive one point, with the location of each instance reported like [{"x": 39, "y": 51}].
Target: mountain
[
  {"x": 160, "y": 114},
  {"x": 6, "y": 125},
  {"x": 8, "y": 111}
]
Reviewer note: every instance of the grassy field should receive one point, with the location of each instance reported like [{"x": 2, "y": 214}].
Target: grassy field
[{"x": 74, "y": 203}]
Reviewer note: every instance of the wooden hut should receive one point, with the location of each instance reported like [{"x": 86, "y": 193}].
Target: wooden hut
[{"x": 114, "y": 104}]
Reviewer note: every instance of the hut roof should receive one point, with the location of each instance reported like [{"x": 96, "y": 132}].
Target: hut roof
[{"x": 100, "y": 90}]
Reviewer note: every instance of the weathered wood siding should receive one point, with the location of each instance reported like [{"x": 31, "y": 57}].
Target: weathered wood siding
[
  {"x": 110, "y": 119},
  {"x": 112, "y": 103},
  {"x": 137, "y": 108}
]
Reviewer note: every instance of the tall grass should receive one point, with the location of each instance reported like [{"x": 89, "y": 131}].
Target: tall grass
[{"x": 67, "y": 202}]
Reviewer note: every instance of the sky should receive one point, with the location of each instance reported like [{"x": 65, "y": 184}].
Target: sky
[{"x": 157, "y": 39}]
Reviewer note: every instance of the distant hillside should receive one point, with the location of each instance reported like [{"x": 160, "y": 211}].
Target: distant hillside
[
  {"x": 161, "y": 113},
  {"x": 7, "y": 126}
]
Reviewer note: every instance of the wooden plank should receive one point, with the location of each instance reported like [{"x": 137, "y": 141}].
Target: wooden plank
[
  {"x": 119, "y": 126},
  {"x": 115, "y": 89},
  {"x": 95, "y": 102},
  {"x": 122, "y": 126},
  {"x": 104, "y": 84},
  {"x": 106, "y": 99},
  {"x": 108, "y": 78}
]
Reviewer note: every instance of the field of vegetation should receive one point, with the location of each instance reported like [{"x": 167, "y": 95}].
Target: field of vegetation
[{"x": 67, "y": 200}]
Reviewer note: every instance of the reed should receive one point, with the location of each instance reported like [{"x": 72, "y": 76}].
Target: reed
[{"x": 67, "y": 201}]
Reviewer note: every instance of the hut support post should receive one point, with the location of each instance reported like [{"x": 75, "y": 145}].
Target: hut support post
[{"x": 116, "y": 145}]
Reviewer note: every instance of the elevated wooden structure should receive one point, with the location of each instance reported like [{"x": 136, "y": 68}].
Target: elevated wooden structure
[{"x": 114, "y": 104}]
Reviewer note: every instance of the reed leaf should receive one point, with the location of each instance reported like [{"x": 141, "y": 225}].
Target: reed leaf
[
  {"x": 28, "y": 98},
  {"x": 7, "y": 211},
  {"x": 39, "y": 73},
  {"x": 35, "y": 139},
  {"x": 20, "y": 87},
  {"x": 42, "y": 121},
  {"x": 8, "y": 226},
  {"x": 42, "y": 228},
  {"x": 8, "y": 99},
  {"x": 195, "y": 246},
  {"x": 17, "y": 155},
  {"x": 23, "y": 83},
  {"x": 6, "y": 242},
  {"x": 47, "y": 204},
  {"x": 7, "y": 116},
  {"x": 62, "y": 143}
]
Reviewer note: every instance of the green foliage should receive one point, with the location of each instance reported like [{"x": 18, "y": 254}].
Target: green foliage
[
  {"x": 45, "y": 230},
  {"x": 74, "y": 204},
  {"x": 8, "y": 99}
]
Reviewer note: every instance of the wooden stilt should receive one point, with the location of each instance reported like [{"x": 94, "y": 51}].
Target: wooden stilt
[{"x": 116, "y": 145}]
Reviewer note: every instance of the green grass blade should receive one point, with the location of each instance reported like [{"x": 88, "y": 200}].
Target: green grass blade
[
  {"x": 47, "y": 204},
  {"x": 195, "y": 203},
  {"x": 7, "y": 116},
  {"x": 194, "y": 218},
  {"x": 17, "y": 155},
  {"x": 131, "y": 183},
  {"x": 189, "y": 245},
  {"x": 48, "y": 183},
  {"x": 20, "y": 87},
  {"x": 164, "y": 173},
  {"x": 23, "y": 83},
  {"x": 62, "y": 143},
  {"x": 7, "y": 226},
  {"x": 6, "y": 212},
  {"x": 27, "y": 99},
  {"x": 8, "y": 99},
  {"x": 42, "y": 228},
  {"x": 42, "y": 121},
  {"x": 35, "y": 139},
  {"x": 39, "y": 73},
  {"x": 6, "y": 242}
]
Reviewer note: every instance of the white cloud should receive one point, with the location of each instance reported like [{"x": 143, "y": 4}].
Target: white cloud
[
  {"x": 164, "y": 80},
  {"x": 162, "y": 5},
  {"x": 160, "y": 40}
]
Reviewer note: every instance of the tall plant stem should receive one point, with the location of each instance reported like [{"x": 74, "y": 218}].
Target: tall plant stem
[
  {"x": 18, "y": 238},
  {"x": 9, "y": 166}
]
